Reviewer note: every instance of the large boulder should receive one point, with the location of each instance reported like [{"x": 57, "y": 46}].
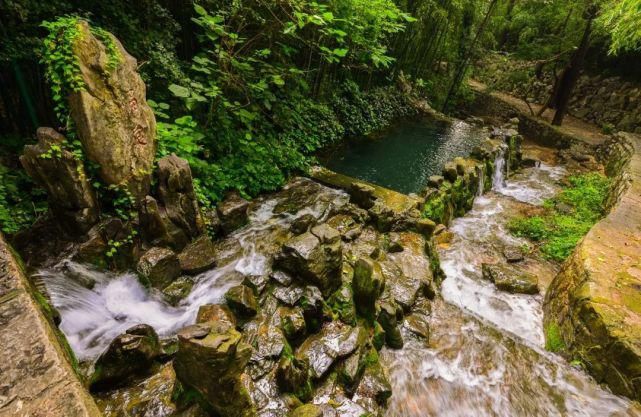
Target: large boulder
[
  {"x": 315, "y": 257},
  {"x": 176, "y": 191},
  {"x": 159, "y": 266},
  {"x": 242, "y": 301},
  {"x": 114, "y": 123},
  {"x": 157, "y": 228},
  {"x": 335, "y": 340},
  {"x": 132, "y": 353},
  {"x": 212, "y": 360},
  {"x": 71, "y": 197}
]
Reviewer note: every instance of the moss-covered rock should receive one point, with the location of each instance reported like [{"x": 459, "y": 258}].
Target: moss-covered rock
[
  {"x": 130, "y": 354},
  {"x": 368, "y": 285}
]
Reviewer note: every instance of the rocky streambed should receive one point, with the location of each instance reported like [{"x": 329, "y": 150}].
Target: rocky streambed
[{"x": 339, "y": 303}]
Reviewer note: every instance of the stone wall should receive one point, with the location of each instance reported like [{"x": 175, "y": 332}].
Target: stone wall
[
  {"x": 593, "y": 306},
  {"x": 486, "y": 104},
  {"x": 36, "y": 376},
  {"x": 596, "y": 99}
]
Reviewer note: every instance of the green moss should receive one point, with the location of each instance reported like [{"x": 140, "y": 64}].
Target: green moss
[
  {"x": 553, "y": 339},
  {"x": 341, "y": 303}
]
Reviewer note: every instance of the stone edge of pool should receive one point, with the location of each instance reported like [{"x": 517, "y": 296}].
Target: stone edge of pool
[{"x": 36, "y": 372}]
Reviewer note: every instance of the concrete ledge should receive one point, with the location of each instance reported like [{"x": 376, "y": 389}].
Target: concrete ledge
[
  {"x": 399, "y": 203},
  {"x": 594, "y": 304},
  {"x": 36, "y": 377}
]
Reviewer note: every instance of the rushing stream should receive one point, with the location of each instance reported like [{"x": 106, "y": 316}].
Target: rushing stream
[{"x": 485, "y": 356}]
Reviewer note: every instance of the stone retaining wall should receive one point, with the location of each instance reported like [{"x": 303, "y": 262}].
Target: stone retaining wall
[
  {"x": 596, "y": 99},
  {"x": 36, "y": 376},
  {"x": 593, "y": 306}
]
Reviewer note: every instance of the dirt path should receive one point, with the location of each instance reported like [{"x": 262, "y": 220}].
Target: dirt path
[{"x": 588, "y": 132}]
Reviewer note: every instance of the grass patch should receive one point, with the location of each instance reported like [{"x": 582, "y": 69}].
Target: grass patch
[{"x": 567, "y": 218}]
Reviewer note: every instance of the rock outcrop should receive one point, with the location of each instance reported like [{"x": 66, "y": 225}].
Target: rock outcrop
[
  {"x": 72, "y": 200},
  {"x": 36, "y": 374},
  {"x": 115, "y": 125},
  {"x": 132, "y": 353},
  {"x": 211, "y": 359}
]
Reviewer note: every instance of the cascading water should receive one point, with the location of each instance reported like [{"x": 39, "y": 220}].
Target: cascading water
[
  {"x": 98, "y": 306},
  {"x": 500, "y": 170},
  {"x": 485, "y": 356}
]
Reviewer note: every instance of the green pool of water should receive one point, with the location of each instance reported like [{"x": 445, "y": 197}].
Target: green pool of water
[{"x": 406, "y": 155}]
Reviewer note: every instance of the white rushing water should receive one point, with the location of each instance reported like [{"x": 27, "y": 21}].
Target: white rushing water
[
  {"x": 485, "y": 356},
  {"x": 93, "y": 317}
]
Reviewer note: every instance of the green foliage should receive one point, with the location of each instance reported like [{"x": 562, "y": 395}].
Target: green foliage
[
  {"x": 568, "y": 217},
  {"x": 62, "y": 69},
  {"x": 553, "y": 339},
  {"x": 621, "y": 19},
  {"x": 21, "y": 202}
]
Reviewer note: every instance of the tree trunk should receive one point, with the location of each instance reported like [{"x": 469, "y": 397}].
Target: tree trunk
[
  {"x": 571, "y": 73},
  {"x": 505, "y": 35}
]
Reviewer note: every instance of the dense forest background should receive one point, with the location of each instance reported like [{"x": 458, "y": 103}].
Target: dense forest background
[{"x": 248, "y": 90}]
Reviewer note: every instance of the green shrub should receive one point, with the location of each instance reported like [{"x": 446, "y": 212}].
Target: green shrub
[
  {"x": 21, "y": 202},
  {"x": 568, "y": 216}
]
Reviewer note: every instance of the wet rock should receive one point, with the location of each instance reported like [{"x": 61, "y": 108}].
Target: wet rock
[
  {"x": 212, "y": 362},
  {"x": 513, "y": 255},
  {"x": 307, "y": 410},
  {"x": 179, "y": 289},
  {"x": 362, "y": 195},
  {"x": 292, "y": 322},
  {"x": 435, "y": 181},
  {"x": 313, "y": 306},
  {"x": 281, "y": 277},
  {"x": 177, "y": 195},
  {"x": 450, "y": 172},
  {"x": 198, "y": 256},
  {"x": 382, "y": 216},
  {"x": 293, "y": 375},
  {"x": 315, "y": 258},
  {"x": 346, "y": 225},
  {"x": 242, "y": 301},
  {"x": 418, "y": 324},
  {"x": 342, "y": 304},
  {"x": 374, "y": 388},
  {"x": 368, "y": 285},
  {"x": 403, "y": 289},
  {"x": 70, "y": 195},
  {"x": 389, "y": 323},
  {"x": 149, "y": 398},
  {"x": 233, "y": 212},
  {"x": 415, "y": 265},
  {"x": 510, "y": 280},
  {"x": 425, "y": 227},
  {"x": 217, "y": 316},
  {"x": 288, "y": 295},
  {"x": 256, "y": 282},
  {"x": 113, "y": 121},
  {"x": 302, "y": 224},
  {"x": 268, "y": 343},
  {"x": 157, "y": 228},
  {"x": 335, "y": 340},
  {"x": 211, "y": 221},
  {"x": 159, "y": 266},
  {"x": 132, "y": 353}
]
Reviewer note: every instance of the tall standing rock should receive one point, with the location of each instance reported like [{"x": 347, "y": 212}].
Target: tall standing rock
[
  {"x": 71, "y": 197},
  {"x": 176, "y": 190},
  {"x": 114, "y": 123}
]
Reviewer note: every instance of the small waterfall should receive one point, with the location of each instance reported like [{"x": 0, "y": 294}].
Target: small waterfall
[
  {"x": 500, "y": 170},
  {"x": 481, "y": 187}
]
